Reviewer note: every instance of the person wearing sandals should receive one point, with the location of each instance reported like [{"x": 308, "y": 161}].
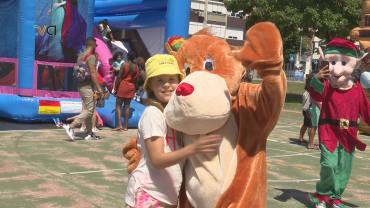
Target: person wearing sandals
[
  {"x": 305, "y": 111},
  {"x": 125, "y": 88},
  {"x": 314, "y": 114}
]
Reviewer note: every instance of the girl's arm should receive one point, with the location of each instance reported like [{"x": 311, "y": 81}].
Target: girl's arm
[{"x": 161, "y": 159}]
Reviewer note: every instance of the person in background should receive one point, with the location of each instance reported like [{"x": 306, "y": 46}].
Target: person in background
[
  {"x": 105, "y": 31},
  {"x": 141, "y": 93},
  {"x": 116, "y": 65},
  {"x": 85, "y": 89},
  {"x": 315, "y": 110},
  {"x": 125, "y": 88},
  {"x": 306, "y": 103}
]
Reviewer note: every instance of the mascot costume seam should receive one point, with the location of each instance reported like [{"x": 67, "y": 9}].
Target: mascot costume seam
[{"x": 213, "y": 100}]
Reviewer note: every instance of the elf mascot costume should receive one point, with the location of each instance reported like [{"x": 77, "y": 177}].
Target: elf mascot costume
[
  {"x": 213, "y": 100},
  {"x": 342, "y": 100}
]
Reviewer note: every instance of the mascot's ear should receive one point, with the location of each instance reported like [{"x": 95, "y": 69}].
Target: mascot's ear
[
  {"x": 321, "y": 53},
  {"x": 358, "y": 61},
  {"x": 168, "y": 49}
]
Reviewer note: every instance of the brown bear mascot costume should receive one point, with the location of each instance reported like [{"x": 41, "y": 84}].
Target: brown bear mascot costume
[{"x": 212, "y": 99}]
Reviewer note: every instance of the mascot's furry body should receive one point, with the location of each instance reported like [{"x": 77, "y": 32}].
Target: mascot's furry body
[{"x": 214, "y": 101}]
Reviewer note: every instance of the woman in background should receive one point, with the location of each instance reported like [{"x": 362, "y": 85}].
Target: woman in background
[{"x": 125, "y": 88}]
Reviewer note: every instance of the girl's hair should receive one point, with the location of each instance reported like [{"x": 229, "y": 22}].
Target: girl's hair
[
  {"x": 131, "y": 58},
  {"x": 152, "y": 100},
  {"x": 115, "y": 57}
]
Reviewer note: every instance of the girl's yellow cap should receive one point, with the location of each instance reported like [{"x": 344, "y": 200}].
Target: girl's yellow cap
[{"x": 161, "y": 64}]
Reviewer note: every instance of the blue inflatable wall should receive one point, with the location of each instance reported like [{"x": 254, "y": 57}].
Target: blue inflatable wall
[{"x": 121, "y": 14}]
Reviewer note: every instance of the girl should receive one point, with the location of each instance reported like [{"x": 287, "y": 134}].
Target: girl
[
  {"x": 116, "y": 65},
  {"x": 117, "y": 61},
  {"x": 157, "y": 179},
  {"x": 125, "y": 89}
]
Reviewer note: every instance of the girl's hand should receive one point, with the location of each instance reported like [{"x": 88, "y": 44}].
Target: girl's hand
[
  {"x": 68, "y": 119},
  {"x": 138, "y": 92},
  {"x": 56, "y": 5},
  {"x": 206, "y": 144},
  {"x": 48, "y": 12},
  {"x": 323, "y": 73}
]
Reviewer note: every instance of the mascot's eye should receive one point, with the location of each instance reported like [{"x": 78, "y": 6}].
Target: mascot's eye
[
  {"x": 186, "y": 69},
  {"x": 333, "y": 62},
  {"x": 344, "y": 63},
  {"x": 208, "y": 64}
]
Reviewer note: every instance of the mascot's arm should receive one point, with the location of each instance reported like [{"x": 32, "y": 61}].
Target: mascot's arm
[
  {"x": 258, "y": 108},
  {"x": 317, "y": 89},
  {"x": 263, "y": 50},
  {"x": 131, "y": 153}
]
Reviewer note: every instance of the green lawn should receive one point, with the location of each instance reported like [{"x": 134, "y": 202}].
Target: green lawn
[{"x": 294, "y": 92}]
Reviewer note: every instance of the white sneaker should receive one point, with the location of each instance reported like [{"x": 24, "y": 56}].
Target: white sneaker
[
  {"x": 91, "y": 137},
  {"x": 69, "y": 131},
  {"x": 335, "y": 206},
  {"x": 321, "y": 205},
  {"x": 83, "y": 128},
  {"x": 95, "y": 129}
]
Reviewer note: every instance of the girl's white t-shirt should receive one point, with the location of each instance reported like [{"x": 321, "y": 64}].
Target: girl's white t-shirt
[{"x": 164, "y": 184}]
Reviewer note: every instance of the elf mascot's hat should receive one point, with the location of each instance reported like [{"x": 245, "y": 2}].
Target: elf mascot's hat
[{"x": 342, "y": 46}]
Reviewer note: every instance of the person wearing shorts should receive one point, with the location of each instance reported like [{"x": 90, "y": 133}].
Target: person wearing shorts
[{"x": 315, "y": 115}]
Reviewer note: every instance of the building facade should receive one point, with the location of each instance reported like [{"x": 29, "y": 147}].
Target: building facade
[{"x": 224, "y": 24}]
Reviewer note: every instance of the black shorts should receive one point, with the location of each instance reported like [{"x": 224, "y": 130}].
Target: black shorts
[{"x": 306, "y": 120}]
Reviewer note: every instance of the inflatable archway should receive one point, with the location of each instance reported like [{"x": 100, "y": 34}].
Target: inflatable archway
[{"x": 43, "y": 39}]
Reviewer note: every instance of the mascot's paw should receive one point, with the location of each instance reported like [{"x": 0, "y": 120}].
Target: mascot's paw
[
  {"x": 263, "y": 43},
  {"x": 131, "y": 153}
]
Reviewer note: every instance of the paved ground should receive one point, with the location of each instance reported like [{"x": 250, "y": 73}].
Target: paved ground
[{"x": 42, "y": 168}]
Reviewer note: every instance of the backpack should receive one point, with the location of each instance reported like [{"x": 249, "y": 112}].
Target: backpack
[
  {"x": 81, "y": 70},
  {"x": 306, "y": 101}
]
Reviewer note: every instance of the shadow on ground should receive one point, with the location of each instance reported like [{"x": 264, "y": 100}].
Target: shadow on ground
[
  {"x": 12, "y": 125},
  {"x": 301, "y": 197}
]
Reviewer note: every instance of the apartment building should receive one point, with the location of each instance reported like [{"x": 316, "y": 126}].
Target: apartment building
[{"x": 224, "y": 24}]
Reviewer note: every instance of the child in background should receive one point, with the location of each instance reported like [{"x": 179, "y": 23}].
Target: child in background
[
  {"x": 157, "y": 179},
  {"x": 116, "y": 66}
]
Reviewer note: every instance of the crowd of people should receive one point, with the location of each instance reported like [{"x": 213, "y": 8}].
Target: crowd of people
[{"x": 128, "y": 84}]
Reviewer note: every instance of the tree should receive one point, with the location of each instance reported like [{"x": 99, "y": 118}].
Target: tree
[{"x": 325, "y": 19}]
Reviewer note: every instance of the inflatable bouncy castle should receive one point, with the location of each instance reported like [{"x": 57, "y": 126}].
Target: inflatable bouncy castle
[{"x": 43, "y": 38}]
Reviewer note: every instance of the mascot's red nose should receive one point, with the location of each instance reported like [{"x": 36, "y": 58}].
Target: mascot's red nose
[{"x": 184, "y": 89}]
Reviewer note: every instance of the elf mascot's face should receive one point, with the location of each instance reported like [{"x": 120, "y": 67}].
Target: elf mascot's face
[{"x": 340, "y": 68}]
